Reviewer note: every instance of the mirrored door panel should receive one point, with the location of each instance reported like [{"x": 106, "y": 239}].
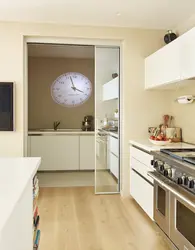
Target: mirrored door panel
[{"x": 107, "y": 103}]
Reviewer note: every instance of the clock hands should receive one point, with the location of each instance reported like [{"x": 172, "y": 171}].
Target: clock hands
[
  {"x": 73, "y": 86},
  {"x": 79, "y": 90}
]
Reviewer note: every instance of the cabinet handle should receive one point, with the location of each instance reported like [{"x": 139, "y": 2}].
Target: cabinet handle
[{"x": 114, "y": 154}]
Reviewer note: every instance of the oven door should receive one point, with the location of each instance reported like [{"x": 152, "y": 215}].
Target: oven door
[
  {"x": 182, "y": 231},
  {"x": 161, "y": 202}
]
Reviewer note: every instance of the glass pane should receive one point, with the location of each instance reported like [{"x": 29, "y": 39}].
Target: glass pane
[
  {"x": 161, "y": 200},
  {"x": 185, "y": 222},
  {"x": 107, "y": 119}
]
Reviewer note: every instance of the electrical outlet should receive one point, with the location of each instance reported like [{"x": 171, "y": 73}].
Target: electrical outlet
[{"x": 185, "y": 248}]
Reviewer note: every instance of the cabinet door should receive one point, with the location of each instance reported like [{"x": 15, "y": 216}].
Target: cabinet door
[
  {"x": 163, "y": 67},
  {"x": 58, "y": 152},
  {"x": 188, "y": 54},
  {"x": 87, "y": 152},
  {"x": 114, "y": 145},
  {"x": 142, "y": 192},
  {"x": 111, "y": 90},
  {"x": 114, "y": 165}
]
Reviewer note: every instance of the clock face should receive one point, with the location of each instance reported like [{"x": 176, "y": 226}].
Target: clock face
[{"x": 71, "y": 89}]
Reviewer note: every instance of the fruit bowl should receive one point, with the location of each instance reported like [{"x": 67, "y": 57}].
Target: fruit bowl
[{"x": 159, "y": 143}]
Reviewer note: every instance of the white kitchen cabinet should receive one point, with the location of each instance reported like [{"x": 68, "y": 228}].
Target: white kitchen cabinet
[
  {"x": 114, "y": 165},
  {"x": 111, "y": 89},
  {"x": 141, "y": 185},
  {"x": 114, "y": 145},
  {"x": 164, "y": 66},
  {"x": 87, "y": 152},
  {"x": 58, "y": 152},
  {"x": 113, "y": 156},
  {"x": 142, "y": 192},
  {"x": 188, "y": 54}
]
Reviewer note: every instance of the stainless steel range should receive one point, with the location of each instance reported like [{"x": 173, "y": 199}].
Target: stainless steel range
[{"x": 174, "y": 195}]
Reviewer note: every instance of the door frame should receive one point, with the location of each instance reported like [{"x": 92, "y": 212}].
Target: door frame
[{"x": 75, "y": 41}]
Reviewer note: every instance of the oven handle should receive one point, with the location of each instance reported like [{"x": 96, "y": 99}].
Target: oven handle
[{"x": 172, "y": 188}]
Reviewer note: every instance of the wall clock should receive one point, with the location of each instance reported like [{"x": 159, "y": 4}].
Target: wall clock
[{"x": 71, "y": 89}]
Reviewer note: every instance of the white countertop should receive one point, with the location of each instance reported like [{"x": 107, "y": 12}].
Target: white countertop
[
  {"x": 15, "y": 174},
  {"x": 148, "y": 146},
  {"x": 61, "y": 132},
  {"x": 113, "y": 134}
]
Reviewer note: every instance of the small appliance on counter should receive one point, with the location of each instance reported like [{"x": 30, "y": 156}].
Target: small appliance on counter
[
  {"x": 88, "y": 123},
  {"x": 111, "y": 125}
]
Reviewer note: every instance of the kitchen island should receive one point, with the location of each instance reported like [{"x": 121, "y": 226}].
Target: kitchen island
[{"x": 16, "y": 192}]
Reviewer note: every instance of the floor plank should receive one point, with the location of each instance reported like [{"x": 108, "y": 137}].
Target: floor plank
[{"x": 76, "y": 219}]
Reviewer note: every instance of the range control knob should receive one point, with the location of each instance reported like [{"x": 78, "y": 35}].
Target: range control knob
[
  {"x": 191, "y": 182},
  {"x": 161, "y": 168},
  {"x": 165, "y": 172},
  {"x": 179, "y": 181},
  {"x": 185, "y": 180},
  {"x": 158, "y": 164},
  {"x": 155, "y": 164}
]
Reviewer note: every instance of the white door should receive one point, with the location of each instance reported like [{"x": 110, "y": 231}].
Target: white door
[{"x": 106, "y": 64}]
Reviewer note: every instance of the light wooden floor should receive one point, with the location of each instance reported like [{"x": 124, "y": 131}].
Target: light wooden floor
[{"x": 76, "y": 219}]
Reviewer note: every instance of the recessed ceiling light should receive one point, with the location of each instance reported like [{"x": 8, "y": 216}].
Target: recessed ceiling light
[{"x": 118, "y": 14}]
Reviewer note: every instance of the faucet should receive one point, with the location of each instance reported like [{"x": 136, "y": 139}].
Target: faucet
[{"x": 55, "y": 125}]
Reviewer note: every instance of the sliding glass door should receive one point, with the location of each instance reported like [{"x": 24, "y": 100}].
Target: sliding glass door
[{"x": 107, "y": 106}]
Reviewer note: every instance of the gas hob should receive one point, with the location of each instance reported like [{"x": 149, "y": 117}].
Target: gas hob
[{"x": 177, "y": 165}]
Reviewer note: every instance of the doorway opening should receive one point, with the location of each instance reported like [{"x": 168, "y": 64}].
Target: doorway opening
[{"x": 73, "y": 99}]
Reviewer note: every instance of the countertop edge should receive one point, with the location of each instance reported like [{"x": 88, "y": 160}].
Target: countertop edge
[
  {"x": 31, "y": 175},
  {"x": 152, "y": 148},
  {"x": 61, "y": 133}
]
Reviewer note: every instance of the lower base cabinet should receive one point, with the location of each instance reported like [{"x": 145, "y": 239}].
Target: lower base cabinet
[
  {"x": 114, "y": 165},
  {"x": 87, "y": 152},
  {"x": 63, "y": 152},
  {"x": 57, "y": 152},
  {"x": 142, "y": 192}
]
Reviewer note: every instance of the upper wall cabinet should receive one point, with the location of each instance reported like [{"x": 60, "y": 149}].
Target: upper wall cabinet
[
  {"x": 172, "y": 63},
  {"x": 188, "y": 54},
  {"x": 111, "y": 89},
  {"x": 163, "y": 67}
]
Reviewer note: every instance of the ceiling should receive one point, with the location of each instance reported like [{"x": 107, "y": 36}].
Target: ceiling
[
  {"x": 60, "y": 51},
  {"x": 160, "y": 14}
]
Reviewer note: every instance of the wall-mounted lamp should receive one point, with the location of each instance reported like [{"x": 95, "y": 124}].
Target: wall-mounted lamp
[{"x": 186, "y": 99}]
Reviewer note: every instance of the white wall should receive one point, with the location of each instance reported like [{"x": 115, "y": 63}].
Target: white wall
[
  {"x": 185, "y": 26},
  {"x": 41, "y": 74},
  {"x": 140, "y": 108}
]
